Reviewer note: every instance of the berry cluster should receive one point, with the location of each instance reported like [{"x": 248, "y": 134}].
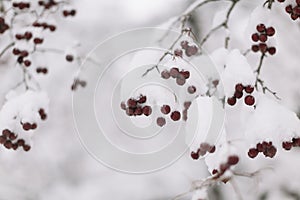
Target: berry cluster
[
  {"x": 77, "y": 82},
  {"x": 42, "y": 70},
  {"x": 287, "y": 145},
  {"x": 67, "y": 13},
  {"x": 178, "y": 53},
  {"x": 190, "y": 50},
  {"x": 42, "y": 114},
  {"x": 47, "y": 4},
  {"x": 239, "y": 88},
  {"x": 9, "y": 140},
  {"x": 44, "y": 25},
  {"x": 3, "y": 25},
  {"x": 136, "y": 107},
  {"x": 21, "y": 5},
  {"x": 266, "y": 148},
  {"x": 262, "y": 37},
  {"x": 21, "y": 55},
  {"x": 231, "y": 161},
  {"x": 180, "y": 76},
  {"x": 294, "y": 11},
  {"x": 202, "y": 150},
  {"x": 28, "y": 126},
  {"x": 27, "y": 36}
]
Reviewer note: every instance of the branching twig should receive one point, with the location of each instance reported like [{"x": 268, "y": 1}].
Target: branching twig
[{"x": 260, "y": 82}]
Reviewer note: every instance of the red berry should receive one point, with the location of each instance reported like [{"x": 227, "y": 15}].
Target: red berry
[
  {"x": 26, "y": 126},
  {"x": 69, "y": 58},
  {"x": 174, "y": 72},
  {"x": 38, "y": 40},
  {"x": 26, "y": 147},
  {"x": 175, "y": 116},
  {"x": 165, "y": 109},
  {"x": 123, "y": 105},
  {"x": 178, "y": 53},
  {"x": 238, "y": 94},
  {"x": 255, "y": 37},
  {"x": 263, "y": 38},
  {"x": 255, "y": 48},
  {"x": 165, "y": 74},
  {"x": 8, "y": 144},
  {"x": 231, "y": 101},
  {"x": 249, "y": 89},
  {"x": 249, "y": 100},
  {"x": 191, "y": 50},
  {"x": 215, "y": 171},
  {"x": 132, "y": 103},
  {"x": 16, "y": 51},
  {"x": 142, "y": 99},
  {"x": 6, "y": 132},
  {"x": 185, "y": 74},
  {"x": 296, "y": 10},
  {"x": 260, "y": 147},
  {"x": 195, "y": 155},
  {"x": 252, "y": 153},
  {"x": 160, "y": 121},
  {"x": 2, "y": 139},
  {"x": 72, "y": 12},
  {"x": 20, "y": 142},
  {"x": 180, "y": 80},
  {"x": 239, "y": 87},
  {"x": 27, "y": 63},
  {"x": 138, "y": 111},
  {"x": 294, "y": 16},
  {"x": 184, "y": 44},
  {"x": 287, "y": 145},
  {"x": 289, "y": 9},
  {"x": 233, "y": 160},
  {"x": 270, "y": 31},
  {"x": 129, "y": 111},
  {"x": 147, "y": 110},
  {"x": 272, "y": 50},
  {"x": 263, "y": 47},
  {"x": 28, "y": 35},
  {"x": 212, "y": 149},
  {"x": 261, "y": 28},
  {"x": 191, "y": 89},
  {"x": 298, "y": 2}
]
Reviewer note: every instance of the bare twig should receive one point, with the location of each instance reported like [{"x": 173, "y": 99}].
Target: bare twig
[
  {"x": 260, "y": 82},
  {"x": 6, "y": 48}
]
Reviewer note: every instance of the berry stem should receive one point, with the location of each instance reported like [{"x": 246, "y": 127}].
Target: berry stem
[{"x": 7, "y": 48}]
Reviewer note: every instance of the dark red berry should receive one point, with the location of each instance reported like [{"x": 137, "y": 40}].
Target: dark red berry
[
  {"x": 26, "y": 147},
  {"x": 129, "y": 111},
  {"x": 132, "y": 103},
  {"x": 38, "y": 40},
  {"x": 161, "y": 121},
  {"x": 287, "y": 145},
  {"x": 294, "y": 16},
  {"x": 270, "y": 31},
  {"x": 191, "y": 89},
  {"x": 231, "y": 101},
  {"x": 2, "y": 139},
  {"x": 249, "y": 100},
  {"x": 12, "y": 136},
  {"x": 184, "y": 44},
  {"x": 8, "y": 144},
  {"x": 16, "y": 51},
  {"x": 180, "y": 80},
  {"x": 289, "y": 9},
  {"x": 27, "y": 63},
  {"x": 165, "y": 74},
  {"x": 255, "y": 48},
  {"x": 6, "y": 132},
  {"x": 263, "y": 38},
  {"x": 260, "y": 147},
  {"x": 20, "y": 142},
  {"x": 272, "y": 50},
  {"x": 138, "y": 111},
  {"x": 195, "y": 155},
  {"x": 212, "y": 149},
  {"x": 165, "y": 109},
  {"x": 233, "y": 160},
  {"x": 215, "y": 171},
  {"x": 238, "y": 94},
  {"x": 298, "y": 2},
  {"x": 147, "y": 110},
  {"x": 255, "y": 37},
  {"x": 249, "y": 89},
  {"x": 123, "y": 106},
  {"x": 69, "y": 58},
  {"x": 261, "y": 28},
  {"x": 142, "y": 99},
  {"x": 174, "y": 72},
  {"x": 178, "y": 53},
  {"x": 263, "y": 47},
  {"x": 175, "y": 116},
  {"x": 252, "y": 153},
  {"x": 191, "y": 50},
  {"x": 185, "y": 74},
  {"x": 26, "y": 126}
]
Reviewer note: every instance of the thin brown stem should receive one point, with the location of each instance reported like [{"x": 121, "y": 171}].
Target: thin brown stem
[{"x": 6, "y": 48}]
